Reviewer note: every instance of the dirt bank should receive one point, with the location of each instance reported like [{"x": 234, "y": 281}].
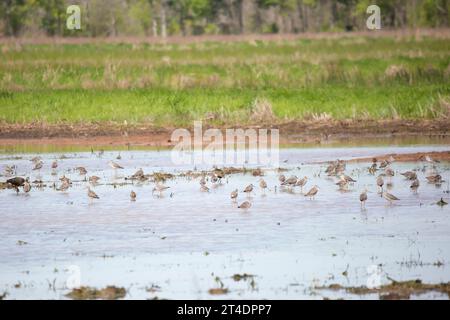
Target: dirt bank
[{"x": 316, "y": 132}]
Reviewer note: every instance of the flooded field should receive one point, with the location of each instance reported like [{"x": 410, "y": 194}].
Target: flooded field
[{"x": 184, "y": 243}]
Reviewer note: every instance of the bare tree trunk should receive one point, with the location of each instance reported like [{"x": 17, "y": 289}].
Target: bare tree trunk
[{"x": 163, "y": 21}]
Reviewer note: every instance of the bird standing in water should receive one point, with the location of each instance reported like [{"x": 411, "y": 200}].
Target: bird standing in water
[
  {"x": 363, "y": 198},
  {"x": 92, "y": 194},
  {"x": 234, "y": 195},
  {"x": 263, "y": 185},
  {"x": 389, "y": 197},
  {"x": 245, "y": 205},
  {"x": 312, "y": 193},
  {"x": 133, "y": 195},
  {"x": 415, "y": 185}
]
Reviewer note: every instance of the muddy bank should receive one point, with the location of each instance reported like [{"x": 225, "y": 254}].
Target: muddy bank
[{"x": 315, "y": 132}]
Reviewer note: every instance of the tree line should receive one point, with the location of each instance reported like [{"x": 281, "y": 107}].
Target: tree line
[{"x": 109, "y": 18}]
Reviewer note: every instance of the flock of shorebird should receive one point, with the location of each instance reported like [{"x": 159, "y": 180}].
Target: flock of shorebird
[{"x": 336, "y": 170}]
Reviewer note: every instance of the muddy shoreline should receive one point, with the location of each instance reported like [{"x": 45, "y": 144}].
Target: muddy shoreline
[{"x": 316, "y": 132}]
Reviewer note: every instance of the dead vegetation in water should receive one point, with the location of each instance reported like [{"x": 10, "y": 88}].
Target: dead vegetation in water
[
  {"x": 88, "y": 293},
  {"x": 395, "y": 290}
]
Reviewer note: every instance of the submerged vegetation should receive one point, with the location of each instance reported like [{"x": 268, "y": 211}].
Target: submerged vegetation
[{"x": 242, "y": 82}]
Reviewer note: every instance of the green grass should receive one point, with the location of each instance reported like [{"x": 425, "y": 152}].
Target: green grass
[{"x": 346, "y": 78}]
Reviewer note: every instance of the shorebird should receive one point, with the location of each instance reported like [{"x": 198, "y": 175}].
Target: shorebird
[
  {"x": 55, "y": 164},
  {"x": 94, "y": 179},
  {"x": 301, "y": 183},
  {"x": 262, "y": 184},
  {"x": 427, "y": 158},
  {"x": 81, "y": 170},
  {"x": 133, "y": 195},
  {"x": 204, "y": 188},
  {"x": 16, "y": 182},
  {"x": 138, "y": 174},
  {"x": 415, "y": 185},
  {"x": 346, "y": 178},
  {"x": 389, "y": 197},
  {"x": 234, "y": 194},
  {"x": 380, "y": 182},
  {"x": 245, "y": 205},
  {"x": 26, "y": 186},
  {"x": 312, "y": 193},
  {"x": 219, "y": 173},
  {"x": 203, "y": 181},
  {"x": 282, "y": 178},
  {"x": 342, "y": 184},
  {"x": 248, "y": 189},
  {"x": 160, "y": 188},
  {"x": 38, "y": 165},
  {"x": 36, "y": 159},
  {"x": 114, "y": 165},
  {"x": 331, "y": 169},
  {"x": 373, "y": 169},
  {"x": 363, "y": 198},
  {"x": 441, "y": 203},
  {"x": 64, "y": 186},
  {"x": 291, "y": 181},
  {"x": 92, "y": 195},
  {"x": 389, "y": 172},
  {"x": 10, "y": 170},
  {"x": 384, "y": 164},
  {"x": 435, "y": 179},
  {"x": 410, "y": 175}
]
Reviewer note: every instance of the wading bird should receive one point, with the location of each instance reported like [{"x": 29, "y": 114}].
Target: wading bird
[
  {"x": 312, "y": 193},
  {"x": 301, "y": 183},
  {"x": 245, "y": 205},
  {"x": 263, "y": 185},
  {"x": 234, "y": 194},
  {"x": 133, "y": 195},
  {"x": 380, "y": 182},
  {"x": 415, "y": 185},
  {"x": 389, "y": 197},
  {"x": 248, "y": 189},
  {"x": 410, "y": 175},
  {"x": 92, "y": 195},
  {"x": 363, "y": 198}
]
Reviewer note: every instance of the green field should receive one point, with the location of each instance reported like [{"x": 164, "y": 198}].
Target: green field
[{"x": 228, "y": 83}]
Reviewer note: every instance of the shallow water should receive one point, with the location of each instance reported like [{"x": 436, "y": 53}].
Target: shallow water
[{"x": 185, "y": 239}]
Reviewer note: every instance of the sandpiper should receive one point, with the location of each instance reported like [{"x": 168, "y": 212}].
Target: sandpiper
[
  {"x": 389, "y": 197},
  {"x": 363, "y": 198},
  {"x": 415, "y": 185},
  {"x": 133, "y": 195},
  {"x": 92, "y": 194},
  {"x": 38, "y": 165},
  {"x": 160, "y": 188},
  {"x": 380, "y": 182},
  {"x": 435, "y": 178},
  {"x": 248, "y": 189},
  {"x": 26, "y": 186},
  {"x": 81, "y": 170},
  {"x": 263, "y": 185},
  {"x": 389, "y": 172},
  {"x": 347, "y": 178},
  {"x": 64, "y": 186},
  {"x": 301, "y": 183},
  {"x": 234, "y": 194},
  {"x": 282, "y": 178},
  {"x": 245, "y": 205},
  {"x": 94, "y": 179},
  {"x": 203, "y": 181},
  {"x": 55, "y": 164},
  {"x": 410, "y": 175},
  {"x": 342, "y": 184},
  {"x": 204, "y": 188},
  {"x": 384, "y": 164},
  {"x": 291, "y": 181},
  {"x": 114, "y": 165},
  {"x": 138, "y": 175},
  {"x": 373, "y": 169},
  {"x": 430, "y": 160},
  {"x": 312, "y": 193}
]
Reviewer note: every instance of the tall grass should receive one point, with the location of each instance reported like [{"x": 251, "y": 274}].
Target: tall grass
[{"x": 172, "y": 84}]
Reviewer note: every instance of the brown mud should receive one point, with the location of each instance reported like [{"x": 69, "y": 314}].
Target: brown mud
[{"x": 313, "y": 132}]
